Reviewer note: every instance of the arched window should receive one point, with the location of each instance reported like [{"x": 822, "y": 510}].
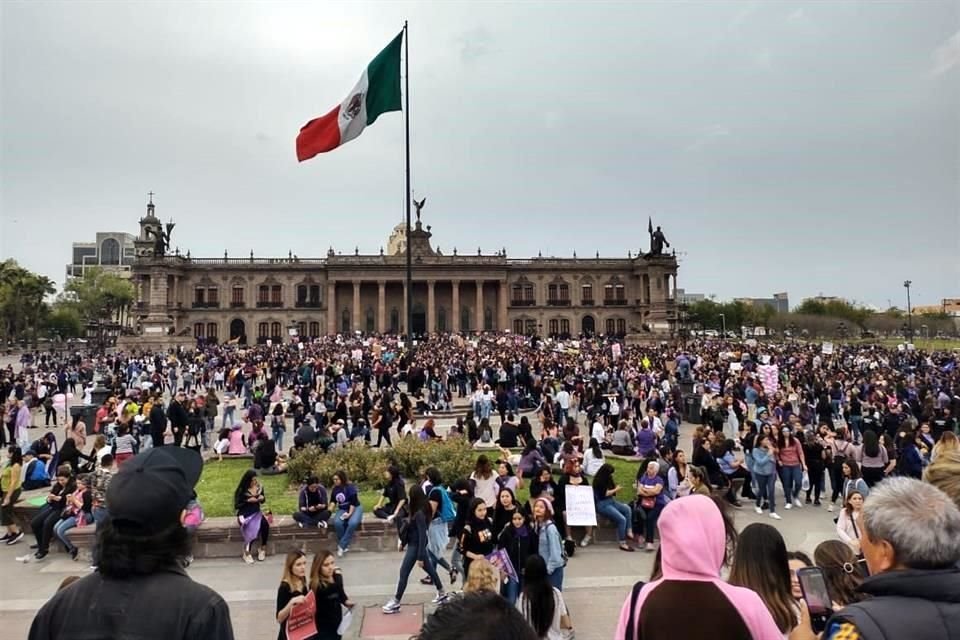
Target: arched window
[
  {"x": 263, "y": 331},
  {"x": 564, "y": 327},
  {"x": 314, "y": 329},
  {"x": 554, "y": 327},
  {"x": 611, "y": 327},
  {"x": 621, "y": 327},
  {"x": 518, "y": 326},
  {"x": 212, "y": 331},
  {"x": 198, "y": 330},
  {"x": 276, "y": 331},
  {"x": 110, "y": 252}
]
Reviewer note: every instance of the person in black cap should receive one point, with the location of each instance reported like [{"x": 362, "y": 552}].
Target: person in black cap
[{"x": 140, "y": 590}]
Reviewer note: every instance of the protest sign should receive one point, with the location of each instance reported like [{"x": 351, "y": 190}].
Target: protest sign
[
  {"x": 827, "y": 348},
  {"x": 581, "y": 511},
  {"x": 501, "y": 560},
  {"x": 302, "y": 623}
]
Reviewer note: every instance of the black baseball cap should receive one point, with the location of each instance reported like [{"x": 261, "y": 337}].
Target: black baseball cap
[{"x": 153, "y": 487}]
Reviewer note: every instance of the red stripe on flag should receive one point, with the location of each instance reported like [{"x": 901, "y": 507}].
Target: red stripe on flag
[{"x": 319, "y": 135}]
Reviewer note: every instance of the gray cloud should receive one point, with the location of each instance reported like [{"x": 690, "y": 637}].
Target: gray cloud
[{"x": 803, "y": 147}]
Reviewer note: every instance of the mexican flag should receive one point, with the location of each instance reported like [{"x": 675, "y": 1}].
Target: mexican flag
[{"x": 377, "y": 91}]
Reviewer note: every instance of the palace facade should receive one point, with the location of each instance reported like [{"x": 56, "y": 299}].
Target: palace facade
[{"x": 252, "y": 299}]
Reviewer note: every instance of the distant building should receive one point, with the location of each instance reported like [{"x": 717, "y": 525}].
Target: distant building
[
  {"x": 113, "y": 251},
  {"x": 779, "y": 302},
  {"x": 827, "y": 299},
  {"x": 689, "y": 298},
  {"x": 949, "y": 306}
]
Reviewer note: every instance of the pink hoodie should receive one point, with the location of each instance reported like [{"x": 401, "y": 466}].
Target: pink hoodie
[{"x": 692, "y": 546}]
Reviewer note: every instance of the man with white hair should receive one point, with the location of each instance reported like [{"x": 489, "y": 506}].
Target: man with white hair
[{"x": 910, "y": 538}]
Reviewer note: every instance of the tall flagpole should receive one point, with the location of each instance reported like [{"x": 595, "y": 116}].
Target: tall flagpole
[{"x": 406, "y": 114}]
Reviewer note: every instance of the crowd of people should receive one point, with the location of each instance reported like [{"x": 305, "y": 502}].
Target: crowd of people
[{"x": 871, "y": 421}]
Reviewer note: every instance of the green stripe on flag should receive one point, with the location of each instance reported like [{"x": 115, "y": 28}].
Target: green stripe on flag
[{"x": 383, "y": 81}]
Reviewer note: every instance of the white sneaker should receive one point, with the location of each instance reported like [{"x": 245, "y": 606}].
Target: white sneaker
[
  {"x": 797, "y": 503},
  {"x": 340, "y": 552},
  {"x": 440, "y": 598},
  {"x": 321, "y": 525},
  {"x": 775, "y": 516},
  {"x": 830, "y": 508},
  {"x": 789, "y": 506},
  {"x": 586, "y": 541},
  {"x": 758, "y": 509},
  {"x": 248, "y": 558},
  {"x": 391, "y": 607}
]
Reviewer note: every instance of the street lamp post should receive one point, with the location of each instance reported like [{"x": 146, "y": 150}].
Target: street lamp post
[
  {"x": 906, "y": 285},
  {"x": 723, "y": 324}
]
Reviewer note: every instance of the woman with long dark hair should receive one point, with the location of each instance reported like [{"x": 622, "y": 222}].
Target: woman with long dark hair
[
  {"x": 792, "y": 465},
  {"x": 761, "y": 564},
  {"x": 326, "y": 582},
  {"x": 503, "y": 514},
  {"x": 875, "y": 464},
  {"x": 476, "y": 540},
  {"x": 248, "y": 500},
  {"x": 605, "y": 490},
  {"x": 293, "y": 588},
  {"x": 10, "y": 491},
  {"x": 541, "y": 604},
  {"x": 520, "y": 541},
  {"x": 414, "y": 539},
  {"x": 393, "y": 500},
  {"x": 349, "y": 514}
]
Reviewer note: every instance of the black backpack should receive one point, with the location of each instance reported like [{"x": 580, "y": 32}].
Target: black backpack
[{"x": 630, "y": 633}]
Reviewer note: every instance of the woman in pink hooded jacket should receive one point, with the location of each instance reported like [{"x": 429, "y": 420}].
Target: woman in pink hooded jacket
[{"x": 692, "y": 545}]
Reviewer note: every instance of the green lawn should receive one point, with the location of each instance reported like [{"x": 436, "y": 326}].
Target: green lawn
[{"x": 219, "y": 481}]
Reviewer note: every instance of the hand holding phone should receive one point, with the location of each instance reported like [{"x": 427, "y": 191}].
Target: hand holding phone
[{"x": 819, "y": 604}]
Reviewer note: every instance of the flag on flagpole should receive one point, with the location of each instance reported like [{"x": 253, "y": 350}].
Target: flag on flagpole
[
  {"x": 649, "y": 225},
  {"x": 377, "y": 92}
]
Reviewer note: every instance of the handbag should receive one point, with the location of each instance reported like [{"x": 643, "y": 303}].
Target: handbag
[{"x": 648, "y": 502}]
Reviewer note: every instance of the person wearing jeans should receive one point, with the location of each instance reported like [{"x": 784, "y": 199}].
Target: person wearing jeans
[
  {"x": 415, "y": 541},
  {"x": 764, "y": 463},
  {"x": 792, "y": 465},
  {"x": 349, "y": 513},
  {"x": 605, "y": 490},
  {"x": 650, "y": 500},
  {"x": 77, "y": 513}
]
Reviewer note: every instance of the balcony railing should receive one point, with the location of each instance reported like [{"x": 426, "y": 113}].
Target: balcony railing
[
  {"x": 558, "y": 303},
  {"x": 268, "y": 304},
  {"x": 238, "y": 304},
  {"x": 198, "y": 304},
  {"x": 587, "y": 302},
  {"x": 613, "y": 302},
  {"x": 523, "y": 303},
  {"x": 308, "y": 304}
]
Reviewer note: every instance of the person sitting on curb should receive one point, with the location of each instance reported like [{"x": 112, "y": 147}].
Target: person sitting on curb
[{"x": 314, "y": 508}]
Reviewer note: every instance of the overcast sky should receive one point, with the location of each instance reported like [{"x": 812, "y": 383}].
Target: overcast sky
[{"x": 783, "y": 146}]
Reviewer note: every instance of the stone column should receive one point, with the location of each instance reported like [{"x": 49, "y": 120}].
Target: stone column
[
  {"x": 455, "y": 312},
  {"x": 478, "y": 315},
  {"x": 356, "y": 306},
  {"x": 431, "y": 307},
  {"x": 331, "y": 307},
  {"x": 502, "y": 307},
  {"x": 382, "y": 305}
]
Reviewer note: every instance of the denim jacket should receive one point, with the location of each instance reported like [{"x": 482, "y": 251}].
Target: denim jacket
[{"x": 550, "y": 547}]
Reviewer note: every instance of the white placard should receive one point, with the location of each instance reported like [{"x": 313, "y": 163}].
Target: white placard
[
  {"x": 827, "y": 348},
  {"x": 581, "y": 511},
  {"x": 765, "y": 359},
  {"x": 153, "y": 329},
  {"x": 269, "y": 343}
]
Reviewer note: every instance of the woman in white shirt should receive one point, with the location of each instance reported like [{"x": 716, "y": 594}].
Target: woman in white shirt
[
  {"x": 593, "y": 458},
  {"x": 485, "y": 482},
  {"x": 847, "y": 528},
  {"x": 541, "y": 604}
]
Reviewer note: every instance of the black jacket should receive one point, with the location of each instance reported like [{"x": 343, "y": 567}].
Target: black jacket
[
  {"x": 914, "y": 604},
  {"x": 177, "y": 414},
  {"x": 168, "y": 604}
]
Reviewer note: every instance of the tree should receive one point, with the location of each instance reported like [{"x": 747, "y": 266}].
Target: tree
[
  {"x": 837, "y": 308},
  {"x": 22, "y": 294},
  {"x": 99, "y": 298},
  {"x": 64, "y": 321}
]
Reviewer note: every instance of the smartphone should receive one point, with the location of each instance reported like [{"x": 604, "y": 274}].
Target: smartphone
[{"x": 815, "y": 593}]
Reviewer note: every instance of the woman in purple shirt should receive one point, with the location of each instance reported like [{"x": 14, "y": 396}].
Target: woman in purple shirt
[{"x": 349, "y": 512}]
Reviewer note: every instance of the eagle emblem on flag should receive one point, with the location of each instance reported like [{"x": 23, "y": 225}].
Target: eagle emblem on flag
[{"x": 354, "y": 106}]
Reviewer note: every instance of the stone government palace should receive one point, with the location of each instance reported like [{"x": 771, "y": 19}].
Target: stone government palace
[{"x": 252, "y": 300}]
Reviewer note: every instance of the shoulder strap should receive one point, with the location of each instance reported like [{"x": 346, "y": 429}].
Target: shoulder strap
[{"x": 631, "y": 631}]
